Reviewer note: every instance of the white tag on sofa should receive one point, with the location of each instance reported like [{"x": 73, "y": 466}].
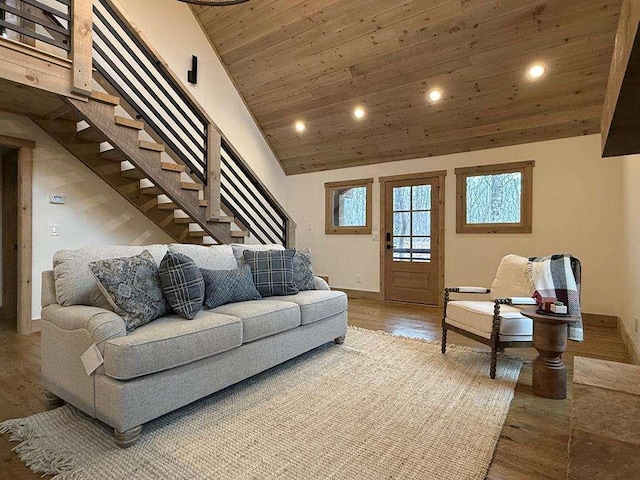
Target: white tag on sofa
[{"x": 92, "y": 359}]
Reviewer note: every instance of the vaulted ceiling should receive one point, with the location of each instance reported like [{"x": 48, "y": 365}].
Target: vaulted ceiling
[{"x": 316, "y": 60}]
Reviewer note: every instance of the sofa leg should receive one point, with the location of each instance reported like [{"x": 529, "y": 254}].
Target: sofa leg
[
  {"x": 340, "y": 339},
  {"x": 52, "y": 400},
  {"x": 127, "y": 438}
]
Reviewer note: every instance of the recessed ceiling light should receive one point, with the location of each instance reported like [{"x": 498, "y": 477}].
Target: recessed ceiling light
[
  {"x": 435, "y": 94},
  {"x": 536, "y": 71},
  {"x": 359, "y": 112},
  {"x": 300, "y": 126}
]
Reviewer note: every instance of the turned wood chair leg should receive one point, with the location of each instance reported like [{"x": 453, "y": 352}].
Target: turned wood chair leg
[
  {"x": 444, "y": 338},
  {"x": 494, "y": 361},
  {"x": 128, "y": 437},
  {"x": 52, "y": 400},
  {"x": 340, "y": 339}
]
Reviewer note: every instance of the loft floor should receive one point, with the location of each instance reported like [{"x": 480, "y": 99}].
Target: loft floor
[{"x": 533, "y": 443}]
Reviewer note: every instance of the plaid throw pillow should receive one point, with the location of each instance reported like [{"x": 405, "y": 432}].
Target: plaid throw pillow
[
  {"x": 182, "y": 284},
  {"x": 228, "y": 286},
  {"x": 272, "y": 271}
]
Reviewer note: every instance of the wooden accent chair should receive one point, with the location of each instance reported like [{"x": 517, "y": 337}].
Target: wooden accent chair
[{"x": 497, "y": 323}]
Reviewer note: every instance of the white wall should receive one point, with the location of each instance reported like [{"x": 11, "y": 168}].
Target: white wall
[
  {"x": 176, "y": 35},
  {"x": 631, "y": 246},
  {"x": 576, "y": 205},
  {"x": 94, "y": 214}
]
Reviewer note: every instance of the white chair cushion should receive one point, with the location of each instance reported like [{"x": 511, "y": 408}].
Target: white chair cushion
[
  {"x": 511, "y": 279},
  {"x": 477, "y": 318}
]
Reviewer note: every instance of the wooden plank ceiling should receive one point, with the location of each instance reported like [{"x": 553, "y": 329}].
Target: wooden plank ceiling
[{"x": 316, "y": 60}]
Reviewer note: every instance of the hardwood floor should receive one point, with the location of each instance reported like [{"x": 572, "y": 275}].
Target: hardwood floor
[{"x": 533, "y": 443}]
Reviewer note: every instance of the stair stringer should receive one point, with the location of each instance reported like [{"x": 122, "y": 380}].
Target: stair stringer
[{"x": 101, "y": 117}]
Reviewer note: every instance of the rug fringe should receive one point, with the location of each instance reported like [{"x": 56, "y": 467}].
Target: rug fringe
[
  {"x": 434, "y": 342},
  {"x": 35, "y": 455}
]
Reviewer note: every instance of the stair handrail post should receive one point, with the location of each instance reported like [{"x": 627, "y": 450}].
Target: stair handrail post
[
  {"x": 81, "y": 47},
  {"x": 212, "y": 188}
]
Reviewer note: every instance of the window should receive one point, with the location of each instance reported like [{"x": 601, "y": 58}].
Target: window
[
  {"x": 494, "y": 198},
  {"x": 348, "y": 207}
]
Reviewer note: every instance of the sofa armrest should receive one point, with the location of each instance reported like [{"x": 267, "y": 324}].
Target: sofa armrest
[
  {"x": 101, "y": 324},
  {"x": 321, "y": 284}
]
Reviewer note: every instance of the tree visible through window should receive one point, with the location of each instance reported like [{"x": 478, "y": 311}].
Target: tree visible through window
[
  {"x": 495, "y": 198},
  {"x": 348, "y": 207}
]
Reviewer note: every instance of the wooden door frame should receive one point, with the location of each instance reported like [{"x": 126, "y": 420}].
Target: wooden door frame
[
  {"x": 440, "y": 175},
  {"x": 25, "y": 149}
]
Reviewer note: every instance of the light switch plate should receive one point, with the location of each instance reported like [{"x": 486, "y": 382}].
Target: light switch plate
[
  {"x": 53, "y": 230},
  {"x": 58, "y": 199}
]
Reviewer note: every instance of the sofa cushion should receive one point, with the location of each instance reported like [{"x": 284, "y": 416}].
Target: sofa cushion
[
  {"x": 132, "y": 287},
  {"x": 303, "y": 270},
  {"x": 76, "y": 285},
  {"x": 169, "y": 342},
  {"x": 215, "y": 257},
  {"x": 317, "y": 304},
  {"x": 239, "y": 248},
  {"x": 262, "y": 318},
  {"x": 182, "y": 284},
  {"x": 227, "y": 286},
  {"x": 272, "y": 271},
  {"x": 477, "y": 317}
]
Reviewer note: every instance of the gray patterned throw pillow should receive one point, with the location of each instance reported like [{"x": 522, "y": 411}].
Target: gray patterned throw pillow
[
  {"x": 272, "y": 271},
  {"x": 132, "y": 287},
  {"x": 228, "y": 286},
  {"x": 303, "y": 271},
  {"x": 182, "y": 284}
]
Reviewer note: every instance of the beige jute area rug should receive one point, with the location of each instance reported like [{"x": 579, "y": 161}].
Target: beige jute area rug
[{"x": 378, "y": 407}]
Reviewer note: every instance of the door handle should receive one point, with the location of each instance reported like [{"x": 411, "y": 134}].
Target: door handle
[
  {"x": 388, "y": 236},
  {"x": 388, "y": 247}
]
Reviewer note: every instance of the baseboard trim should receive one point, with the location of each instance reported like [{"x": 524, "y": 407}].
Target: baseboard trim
[
  {"x": 627, "y": 339},
  {"x": 600, "y": 320},
  {"x": 359, "y": 294}
]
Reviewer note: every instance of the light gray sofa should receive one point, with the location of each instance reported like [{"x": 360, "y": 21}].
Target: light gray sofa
[{"x": 169, "y": 362}]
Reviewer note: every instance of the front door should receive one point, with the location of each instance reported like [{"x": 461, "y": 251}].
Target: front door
[{"x": 412, "y": 240}]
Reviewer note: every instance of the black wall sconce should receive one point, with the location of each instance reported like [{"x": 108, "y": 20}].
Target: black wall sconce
[{"x": 192, "y": 75}]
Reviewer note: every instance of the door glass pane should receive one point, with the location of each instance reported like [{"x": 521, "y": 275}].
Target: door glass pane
[
  {"x": 402, "y": 224},
  {"x": 421, "y": 249},
  {"x": 402, "y": 198},
  {"x": 421, "y": 197},
  {"x": 421, "y": 223},
  {"x": 402, "y": 249}
]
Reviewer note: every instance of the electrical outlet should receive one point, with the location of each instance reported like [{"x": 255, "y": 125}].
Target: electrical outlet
[
  {"x": 58, "y": 199},
  {"x": 53, "y": 230},
  {"x": 359, "y": 279}
]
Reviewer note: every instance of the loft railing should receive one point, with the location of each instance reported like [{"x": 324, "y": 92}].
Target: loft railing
[
  {"x": 96, "y": 33},
  {"x": 31, "y": 21}
]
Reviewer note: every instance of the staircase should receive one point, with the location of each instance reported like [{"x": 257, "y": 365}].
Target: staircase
[{"x": 110, "y": 146}]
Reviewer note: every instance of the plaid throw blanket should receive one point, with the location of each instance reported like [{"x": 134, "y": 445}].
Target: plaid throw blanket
[{"x": 559, "y": 276}]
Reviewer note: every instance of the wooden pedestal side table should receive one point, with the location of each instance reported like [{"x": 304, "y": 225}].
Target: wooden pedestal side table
[{"x": 550, "y": 340}]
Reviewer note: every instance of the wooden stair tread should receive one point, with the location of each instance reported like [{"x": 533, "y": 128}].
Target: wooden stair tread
[
  {"x": 225, "y": 219},
  {"x": 128, "y": 122},
  {"x": 168, "y": 206},
  {"x": 151, "y": 190},
  {"x": 113, "y": 155},
  {"x": 182, "y": 220},
  {"x": 203, "y": 203},
  {"x": 90, "y": 134},
  {"x": 104, "y": 98},
  {"x": 156, "y": 147},
  {"x": 133, "y": 173},
  {"x": 198, "y": 233},
  {"x": 172, "y": 167},
  {"x": 239, "y": 233},
  {"x": 191, "y": 186}
]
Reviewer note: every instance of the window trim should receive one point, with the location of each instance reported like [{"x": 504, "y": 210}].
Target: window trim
[
  {"x": 329, "y": 187},
  {"x": 526, "y": 203}
]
